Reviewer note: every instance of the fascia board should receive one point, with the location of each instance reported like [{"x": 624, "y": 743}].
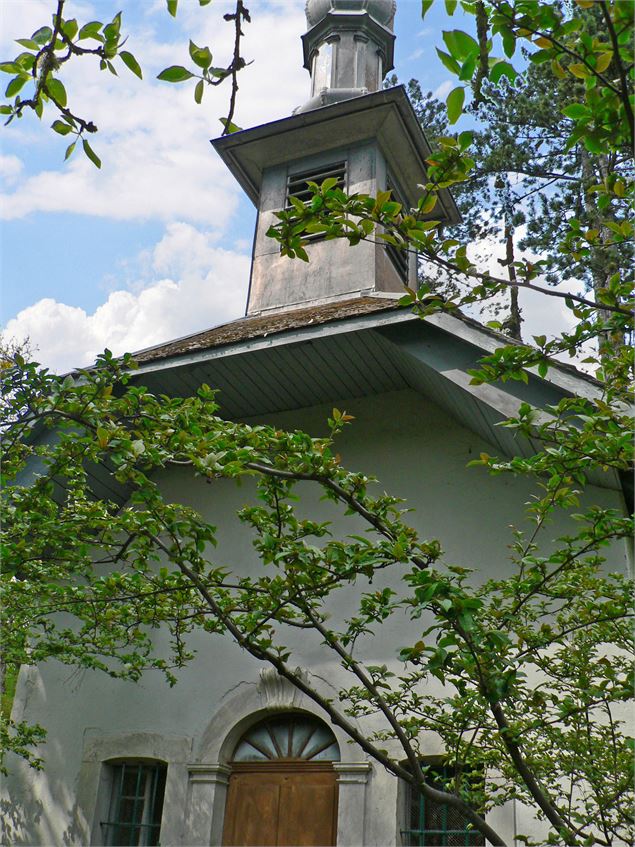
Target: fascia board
[
  {"x": 279, "y": 339},
  {"x": 556, "y": 376}
]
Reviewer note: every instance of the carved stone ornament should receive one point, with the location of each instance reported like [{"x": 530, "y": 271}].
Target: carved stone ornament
[{"x": 278, "y": 692}]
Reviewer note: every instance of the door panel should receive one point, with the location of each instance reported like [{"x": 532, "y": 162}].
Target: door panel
[
  {"x": 307, "y": 806},
  {"x": 251, "y": 813},
  {"x": 287, "y": 806}
]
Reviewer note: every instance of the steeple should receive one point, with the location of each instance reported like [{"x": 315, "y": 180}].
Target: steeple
[
  {"x": 348, "y": 48},
  {"x": 368, "y": 138}
]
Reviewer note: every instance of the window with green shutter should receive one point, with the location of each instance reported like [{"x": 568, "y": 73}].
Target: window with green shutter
[
  {"x": 136, "y": 804},
  {"x": 431, "y": 824}
]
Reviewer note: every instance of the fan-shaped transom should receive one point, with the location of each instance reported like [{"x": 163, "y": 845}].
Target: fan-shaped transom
[{"x": 292, "y": 737}]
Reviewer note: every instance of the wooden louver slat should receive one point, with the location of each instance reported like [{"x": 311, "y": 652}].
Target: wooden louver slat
[{"x": 297, "y": 186}]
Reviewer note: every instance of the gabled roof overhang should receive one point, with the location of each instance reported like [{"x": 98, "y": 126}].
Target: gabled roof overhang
[{"x": 384, "y": 348}]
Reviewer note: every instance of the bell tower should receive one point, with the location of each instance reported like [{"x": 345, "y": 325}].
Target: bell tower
[{"x": 367, "y": 137}]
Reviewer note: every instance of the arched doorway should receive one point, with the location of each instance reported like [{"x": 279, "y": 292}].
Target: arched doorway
[{"x": 282, "y": 788}]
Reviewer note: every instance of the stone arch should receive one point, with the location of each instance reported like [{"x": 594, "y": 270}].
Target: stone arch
[
  {"x": 253, "y": 702},
  {"x": 246, "y": 705}
]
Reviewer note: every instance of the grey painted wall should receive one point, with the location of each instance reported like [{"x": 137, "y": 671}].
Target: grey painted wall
[{"x": 418, "y": 452}]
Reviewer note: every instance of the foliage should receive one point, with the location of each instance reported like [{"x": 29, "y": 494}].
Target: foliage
[
  {"x": 88, "y": 581},
  {"x": 49, "y": 48},
  {"x": 526, "y": 184}
]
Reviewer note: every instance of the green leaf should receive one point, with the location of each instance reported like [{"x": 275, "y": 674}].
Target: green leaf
[
  {"x": 427, "y": 205},
  {"x": 28, "y": 43},
  {"x": 15, "y": 85},
  {"x": 172, "y": 4},
  {"x": 204, "y": 2},
  {"x": 425, "y": 6},
  {"x": 575, "y": 111},
  {"x": 450, "y": 6},
  {"x": 10, "y": 68},
  {"x": 509, "y": 42},
  {"x": 502, "y": 69},
  {"x": 42, "y": 35},
  {"x": 94, "y": 158},
  {"x": 540, "y": 57},
  {"x": 130, "y": 62},
  {"x": 465, "y": 139},
  {"x": 460, "y": 44},
  {"x": 603, "y": 61},
  {"x": 69, "y": 28},
  {"x": 201, "y": 56},
  {"x": 328, "y": 183},
  {"x": 24, "y": 62},
  {"x": 454, "y": 103},
  {"x": 593, "y": 144},
  {"x": 199, "y": 90},
  {"x": 69, "y": 150},
  {"x": 450, "y": 63},
  {"x": 91, "y": 30},
  {"x": 175, "y": 73},
  {"x": 61, "y": 127},
  {"x": 468, "y": 68},
  {"x": 579, "y": 70},
  {"x": 229, "y": 126},
  {"x": 56, "y": 91}
]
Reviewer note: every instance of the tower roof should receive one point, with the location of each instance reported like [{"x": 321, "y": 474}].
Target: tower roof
[{"x": 383, "y": 11}]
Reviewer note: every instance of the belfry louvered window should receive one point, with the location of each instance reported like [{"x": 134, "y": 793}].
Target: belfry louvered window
[
  {"x": 431, "y": 824},
  {"x": 298, "y": 186},
  {"x": 291, "y": 738},
  {"x": 136, "y": 804},
  {"x": 398, "y": 257}
]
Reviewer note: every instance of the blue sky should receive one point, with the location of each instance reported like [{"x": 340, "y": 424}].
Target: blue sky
[{"x": 157, "y": 243}]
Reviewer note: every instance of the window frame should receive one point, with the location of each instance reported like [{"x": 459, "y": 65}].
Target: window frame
[
  {"x": 400, "y": 259},
  {"x": 419, "y": 836},
  {"x": 147, "y": 805}
]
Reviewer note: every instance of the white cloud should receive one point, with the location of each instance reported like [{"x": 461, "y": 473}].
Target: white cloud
[
  {"x": 442, "y": 90},
  {"x": 207, "y": 285},
  {"x": 153, "y": 139},
  {"x": 10, "y": 169},
  {"x": 416, "y": 54}
]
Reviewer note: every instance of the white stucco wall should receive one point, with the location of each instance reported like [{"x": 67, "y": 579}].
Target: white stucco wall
[{"x": 419, "y": 453}]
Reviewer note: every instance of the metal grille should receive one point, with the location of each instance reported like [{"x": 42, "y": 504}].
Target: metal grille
[
  {"x": 136, "y": 805},
  {"x": 398, "y": 257},
  {"x": 298, "y": 187},
  {"x": 432, "y": 824}
]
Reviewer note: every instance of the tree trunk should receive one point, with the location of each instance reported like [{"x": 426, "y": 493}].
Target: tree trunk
[{"x": 514, "y": 321}]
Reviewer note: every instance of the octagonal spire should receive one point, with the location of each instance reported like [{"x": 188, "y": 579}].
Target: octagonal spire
[{"x": 348, "y": 49}]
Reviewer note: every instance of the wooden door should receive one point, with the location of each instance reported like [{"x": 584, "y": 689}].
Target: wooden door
[{"x": 283, "y": 804}]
